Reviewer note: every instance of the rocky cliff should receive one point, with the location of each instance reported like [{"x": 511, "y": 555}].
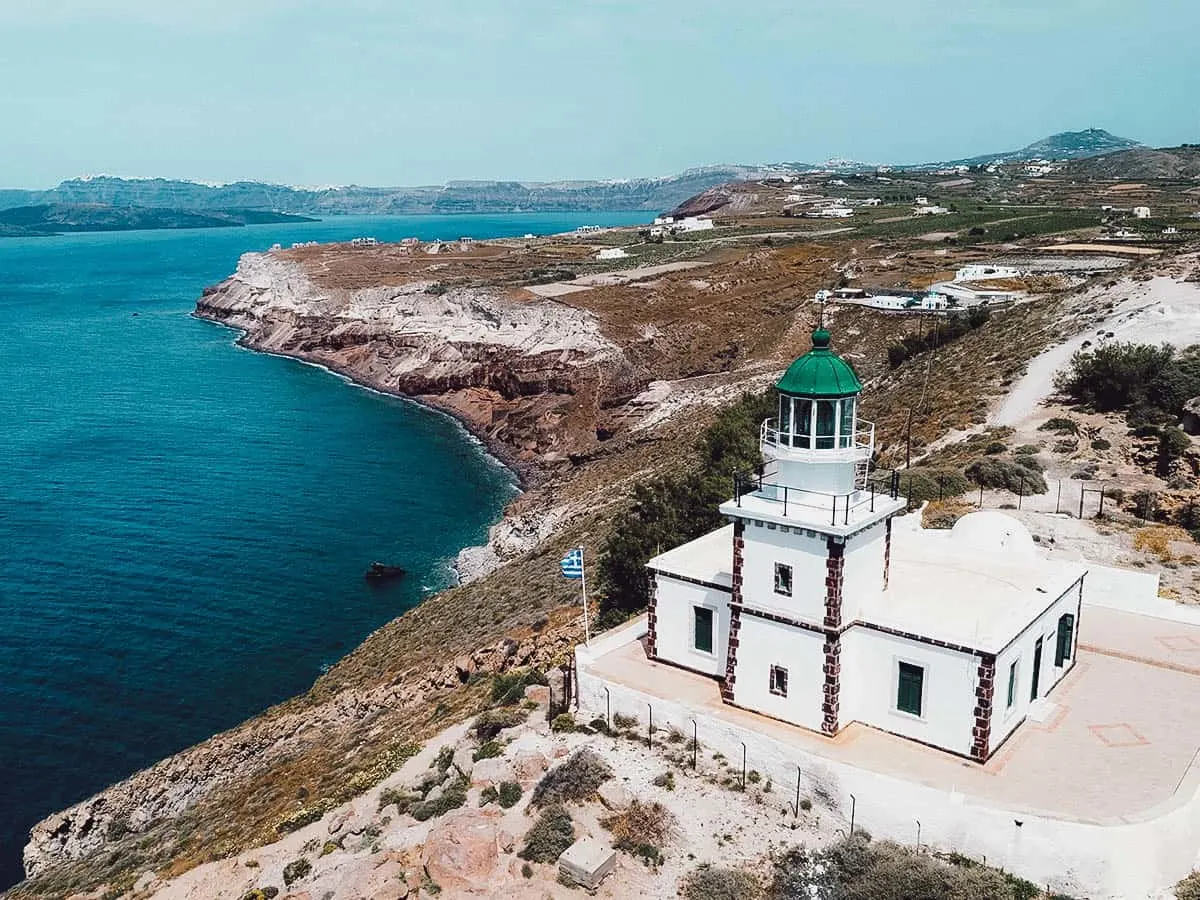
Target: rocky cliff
[{"x": 524, "y": 373}]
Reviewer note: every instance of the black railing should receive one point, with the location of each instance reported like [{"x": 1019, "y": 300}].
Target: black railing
[{"x": 839, "y": 506}]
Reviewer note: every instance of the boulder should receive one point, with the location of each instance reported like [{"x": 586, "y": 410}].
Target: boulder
[
  {"x": 464, "y": 760},
  {"x": 614, "y": 795},
  {"x": 462, "y": 851},
  {"x": 528, "y": 765},
  {"x": 464, "y": 667},
  {"x": 586, "y": 862},
  {"x": 492, "y": 771},
  {"x": 338, "y": 822},
  {"x": 538, "y": 693}
]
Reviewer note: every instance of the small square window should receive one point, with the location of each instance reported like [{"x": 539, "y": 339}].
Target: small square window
[
  {"x": 704, "y": 629},
  {"x": 910, "y": 688},
  {"x": 783, "y": 579},
  {"x": 779, "y": 678}
]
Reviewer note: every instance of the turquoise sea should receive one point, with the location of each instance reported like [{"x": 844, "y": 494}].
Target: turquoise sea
[{"x": 184, "y": 525}]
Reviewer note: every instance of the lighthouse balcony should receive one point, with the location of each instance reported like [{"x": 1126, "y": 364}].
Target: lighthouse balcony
[
  {"x": 818, "y": 445},
  {"x": 830, "y": 511}
]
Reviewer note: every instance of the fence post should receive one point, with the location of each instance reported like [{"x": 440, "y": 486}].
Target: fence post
[
  {"x": 1082, "y": 492},
  {"x": 1058, "y": 501},
  {"x": 650, "y": 727},
  {"x": 695, "y": 743},
  {"x": 743, "y": 743},
  {"x": 785, "y": 499},
  {"x": 796, "y": 808},
  {"x": 607, "y": 706},
  {"x": 918, "y": 821},
  {"x": 853, "y": 805},
  {"x": 1101, "y": 511},
  {"x": 1021, "y": 493},
  {"x": 981, "y": 496}
]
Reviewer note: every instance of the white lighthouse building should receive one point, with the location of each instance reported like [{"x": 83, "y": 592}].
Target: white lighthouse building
[{"x": 819, "y": 607}]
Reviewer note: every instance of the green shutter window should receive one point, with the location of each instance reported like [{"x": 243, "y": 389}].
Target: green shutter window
[
  {"x": 704, "y": 629},
  {"x": 1066, "y": 637},
  {"x": 1012, "y": 685},
  {"x": 910, "y": 687}
]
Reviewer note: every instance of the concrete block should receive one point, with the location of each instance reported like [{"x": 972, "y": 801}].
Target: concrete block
[{"x": 587, "y": 862}]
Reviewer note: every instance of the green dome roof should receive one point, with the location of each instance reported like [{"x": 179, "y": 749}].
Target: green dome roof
[{"x": 820, "y": 372}]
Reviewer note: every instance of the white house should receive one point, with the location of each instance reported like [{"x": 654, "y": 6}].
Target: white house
[
  {"x": 694, "y": 223},
  {"x": 1141, "y": 212},
  {"x": 664, "y": 220},
  {"x": 833, "y": 212},
  {"x": 817, "y": 606},
  {"x": 612, "y": 253},
  {"x": 985, "y": 272}
]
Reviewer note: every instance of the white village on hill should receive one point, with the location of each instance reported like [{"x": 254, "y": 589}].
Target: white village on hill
[{"x": 969, "y": 687}]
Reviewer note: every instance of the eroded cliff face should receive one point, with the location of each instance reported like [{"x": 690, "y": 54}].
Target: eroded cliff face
[{"x": 526, "y": 374}]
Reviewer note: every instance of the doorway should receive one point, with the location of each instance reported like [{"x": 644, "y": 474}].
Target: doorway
[{"x": 1037, "y": 669}]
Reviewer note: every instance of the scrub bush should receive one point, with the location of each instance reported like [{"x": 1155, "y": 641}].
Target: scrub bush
[
  {"x": 574, "y": 781},
  {"x": 549, "y": 836}
]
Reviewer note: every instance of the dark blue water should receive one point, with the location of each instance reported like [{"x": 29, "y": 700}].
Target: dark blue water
[{"x": 184, "y": 524}]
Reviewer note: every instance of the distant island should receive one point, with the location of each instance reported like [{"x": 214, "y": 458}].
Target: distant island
[
  {"x": 456, "y": 197},
  {"x": 44, "y": 219}
]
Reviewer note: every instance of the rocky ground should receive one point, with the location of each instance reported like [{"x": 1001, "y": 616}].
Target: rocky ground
[{"x": 370, "y": 848}]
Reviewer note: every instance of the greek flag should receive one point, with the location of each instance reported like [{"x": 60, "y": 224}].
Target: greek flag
[{"x": 572, "y": 563}]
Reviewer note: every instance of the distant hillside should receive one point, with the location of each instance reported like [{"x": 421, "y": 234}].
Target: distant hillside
[
  {"x": 1064, "y": 145},
  {"x": 456, "y": 197},
  {"x": 55, "y": 218},
  {"x": 1142, "y": 163}
]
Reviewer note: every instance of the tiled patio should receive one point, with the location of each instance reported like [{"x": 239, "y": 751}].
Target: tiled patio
[{"x": 1118, "y": 739}]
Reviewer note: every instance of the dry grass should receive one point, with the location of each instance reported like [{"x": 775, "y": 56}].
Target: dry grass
[
  {"x": 641, "y": 823},
  {"x": 944, "y": 513},
  {"x": 1157, "y": 539}
]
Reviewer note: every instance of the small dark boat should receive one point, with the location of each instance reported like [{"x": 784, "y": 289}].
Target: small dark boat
[{"x": 379, "y": 572}]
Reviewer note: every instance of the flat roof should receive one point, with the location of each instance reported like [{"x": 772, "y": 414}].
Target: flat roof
[
  {"x": 708, "y": 559},
  {"x": 942, "y": 589}
]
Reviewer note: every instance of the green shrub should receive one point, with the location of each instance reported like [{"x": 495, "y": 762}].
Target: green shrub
[
  {"x": 1101, "y": 444},
  {"x": 509, "y": 794},
  {"x": 549, "y": 836},
  {"x": 710, "y": 883},
  {"x": 563, "y": 723},
  {"x": 453, "y": 796},
  {"x": 921, "y": 483},
  {"x": 1060, "y": 425},
  {"x": 401, "y": 798},
  {"x": 670, "y": 510},
  {"x": 1173, "y": 442},
  {"x": 856, "y": 869},
  {"x": 573, "y": 781},
  {"x": 270, "y": 892},
  {"x": 305, "y": 816},
  {"x": 509, "y": 687},
  {"x": 665, "y": 780},
  {"x": 1006, "y": 475},
  {"x": 491, "y": 722},
  {"x": 621, "y": 722},
  {"x": 488, "y": 750},
  {"x": 488, "y": 795},
  {"x": 1029, "y": 461},
  {"x": 526, "y": 870},
  {"x": 444, "y": 759},
  {"x": 995, "y": 447},
  {"x": 295, "y": 870}
]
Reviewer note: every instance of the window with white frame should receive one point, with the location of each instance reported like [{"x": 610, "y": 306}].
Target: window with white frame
[
  {"x": 779, "y": 681},
  {"x": 910, "y": 688},
  {"x": 783, "y": 579},
  {"x": 1012, "y": 685}
]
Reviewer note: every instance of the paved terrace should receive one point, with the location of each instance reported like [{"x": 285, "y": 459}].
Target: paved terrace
[{"x": 1117, "y": 742}]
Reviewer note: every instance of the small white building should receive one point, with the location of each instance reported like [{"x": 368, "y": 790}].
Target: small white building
[
  {"x": 930, "y": 211},
  {"x": 612, "y": 253},
  {"x": 693, "y": 223},
  {"x": 922, "y": 201},
  {"x": 364, "y": 242},
  {"x": 1141, "y": 212},
  {"x": 978, "y": 272},
  {"x": 664, "y": 220},
  {"x": 1170, "y": 229},
  {"x": 587, "y": 229},
  {"x": 817, "y": 606},
  {"x": 832, "y": 212}
]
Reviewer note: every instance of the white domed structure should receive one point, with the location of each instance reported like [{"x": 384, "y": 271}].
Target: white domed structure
[{"x": 994, "y": 532}]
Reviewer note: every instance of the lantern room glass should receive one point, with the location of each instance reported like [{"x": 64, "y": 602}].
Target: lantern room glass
[
  {"x": 826, "y": 424},
  {"x": 846, "y": 431}
]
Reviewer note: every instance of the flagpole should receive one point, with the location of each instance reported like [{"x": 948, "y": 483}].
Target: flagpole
[{"x": 587, "y": 635}]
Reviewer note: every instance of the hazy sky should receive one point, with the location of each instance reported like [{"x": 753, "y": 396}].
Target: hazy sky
[{"x": 390, "y": 92}]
